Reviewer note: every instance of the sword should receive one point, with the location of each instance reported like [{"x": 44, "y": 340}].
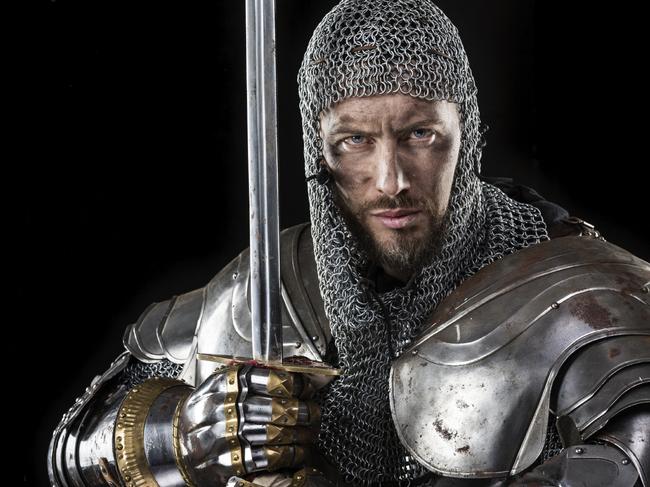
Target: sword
[{"x": 266, "y": 326}]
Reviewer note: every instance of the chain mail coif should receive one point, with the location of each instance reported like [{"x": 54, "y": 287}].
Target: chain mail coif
[{"x": 365, "y": 48}]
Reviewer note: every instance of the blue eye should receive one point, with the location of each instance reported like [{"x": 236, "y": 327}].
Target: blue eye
[
  {"x": 356, "y": 139},
  {"x": 420, "y": 133}
]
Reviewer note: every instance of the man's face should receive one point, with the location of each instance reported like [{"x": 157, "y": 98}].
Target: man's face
[{"x": 393, "y": 159}]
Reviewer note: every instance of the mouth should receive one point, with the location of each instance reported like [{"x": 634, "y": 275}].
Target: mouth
[{"x": 397, "y": 218}]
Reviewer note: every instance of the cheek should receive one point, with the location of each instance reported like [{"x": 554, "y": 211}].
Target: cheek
[
  {"x": 445, "y": 176},
  {"x": 433, "y": 174},
  {"x": 350, "y": 190},
  {"x": 351, "y": 174}
]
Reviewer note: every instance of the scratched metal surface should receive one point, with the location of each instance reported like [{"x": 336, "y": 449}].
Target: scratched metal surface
[{"x": 471, "y": 397}]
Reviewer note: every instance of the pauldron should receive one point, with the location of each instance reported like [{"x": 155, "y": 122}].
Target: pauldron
[
  {"x": 560, "y": 327},
  {"x": 216, "y": 320}
]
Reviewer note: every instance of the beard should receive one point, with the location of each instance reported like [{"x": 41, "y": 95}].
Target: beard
[{"x": 407, "y": 251}]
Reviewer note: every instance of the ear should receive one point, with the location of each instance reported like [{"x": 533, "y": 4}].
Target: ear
[
  {"x": 322, "y": 163},
  {"x": 329, "y": 166},
  {"x": 323, "y": 175},
  {"x": 324, "y": 166}
]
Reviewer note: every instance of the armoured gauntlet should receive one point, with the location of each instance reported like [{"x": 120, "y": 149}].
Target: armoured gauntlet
[{"x": 241, "y": 420}]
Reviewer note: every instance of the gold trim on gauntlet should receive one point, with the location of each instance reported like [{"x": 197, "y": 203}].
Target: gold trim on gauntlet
[
  {"x": 287, "y": 412},
  {"x": 279, "y": 435},
  {"x": 178, "y": 455},
  {"x": 232, "y": 418},
  {"x": 285, "y": 384},
  {"x": 129, "y": 431},
  {"x": 284, "y": 456}
]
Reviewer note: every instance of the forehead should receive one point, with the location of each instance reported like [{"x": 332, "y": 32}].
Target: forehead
[{"x": 396, "y": 109}]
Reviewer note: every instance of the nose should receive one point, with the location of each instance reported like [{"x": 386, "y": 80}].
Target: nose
[{"x": 391, "y": 179}]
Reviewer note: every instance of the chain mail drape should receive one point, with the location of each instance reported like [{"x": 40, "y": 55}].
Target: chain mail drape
[{"x": 365, "y": 48}]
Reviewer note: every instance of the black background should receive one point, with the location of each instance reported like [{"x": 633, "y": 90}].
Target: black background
[{"x": 130, "y": 175}]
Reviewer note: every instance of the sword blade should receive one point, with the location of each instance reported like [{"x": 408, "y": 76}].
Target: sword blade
[{"x": 263, "y": 182}]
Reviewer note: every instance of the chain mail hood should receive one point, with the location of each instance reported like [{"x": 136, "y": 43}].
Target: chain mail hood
[{"x": 372, "y": 47}]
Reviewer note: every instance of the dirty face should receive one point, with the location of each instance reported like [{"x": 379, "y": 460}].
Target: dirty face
[{"x": 392, "y": 158}]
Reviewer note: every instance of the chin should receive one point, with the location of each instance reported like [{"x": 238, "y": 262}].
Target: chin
[
  {"x": 395, "y": 237},
  {"x": 403, "y": 240}
]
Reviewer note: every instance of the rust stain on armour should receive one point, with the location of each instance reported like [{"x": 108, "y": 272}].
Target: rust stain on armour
[
  {"x": 589, "y": 310},
  {"x": 443, "y": 431},
  {"x": 614, "y": 352}
]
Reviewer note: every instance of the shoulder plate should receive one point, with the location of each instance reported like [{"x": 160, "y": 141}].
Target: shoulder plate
[
  {"x": 215, "y": 319},
  {"x": 601, "y": 380},
  {"x": 166, "y": 330},
  {"x": 471, "y": 397}
]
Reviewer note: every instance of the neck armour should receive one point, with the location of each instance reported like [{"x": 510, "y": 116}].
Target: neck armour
[{"x": 372, "y": 47}]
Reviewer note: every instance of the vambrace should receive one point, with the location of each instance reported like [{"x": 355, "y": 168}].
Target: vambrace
[
  {"x": 144, "y": 434},
  {"x": 86, "y": 450},
  {"x": 81, "y": 449}
]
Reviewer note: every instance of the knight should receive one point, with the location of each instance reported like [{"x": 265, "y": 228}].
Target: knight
[{"x": 483, "y": 336}]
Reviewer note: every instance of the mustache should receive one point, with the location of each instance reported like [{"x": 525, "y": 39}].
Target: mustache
[{"x": 388, "y": 203}]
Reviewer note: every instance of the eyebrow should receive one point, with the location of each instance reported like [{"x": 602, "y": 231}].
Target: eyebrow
[{"x": 347, "y": 126}]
